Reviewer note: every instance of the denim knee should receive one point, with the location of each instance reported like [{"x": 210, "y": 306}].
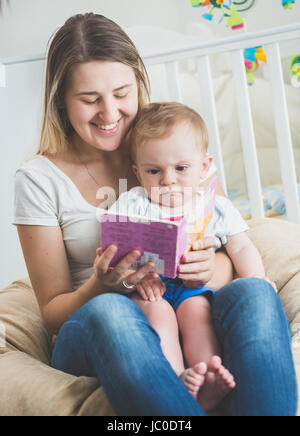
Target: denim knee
[
  {"x": 249, "y": 298},
  {"x": 110, "y": 310},
  {"x": 112, "y": 315}
]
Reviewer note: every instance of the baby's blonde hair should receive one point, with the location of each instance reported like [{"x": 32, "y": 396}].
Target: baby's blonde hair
[{"x": 157, "y": 120}]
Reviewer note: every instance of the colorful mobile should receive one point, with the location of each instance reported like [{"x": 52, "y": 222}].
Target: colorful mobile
[
  {"x": 229, "y": 10},
  {"x": 295, "y": 71},
  {"x": 288, "y": 4}
]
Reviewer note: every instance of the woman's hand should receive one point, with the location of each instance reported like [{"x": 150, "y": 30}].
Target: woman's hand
[
  {"x": 197, "y": 266},
  {"x": 110, "y": 279}
]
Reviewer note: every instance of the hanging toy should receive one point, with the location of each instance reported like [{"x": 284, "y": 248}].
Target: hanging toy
[
  {"x": 295, "y": 71},
  {"x": 288, "y": 4},
  {"x": 252, "y": 56},
  {"x": 198, "y": 3},
  {"x": 234, "y": 20},
  {"x": 214, "y": 4}
]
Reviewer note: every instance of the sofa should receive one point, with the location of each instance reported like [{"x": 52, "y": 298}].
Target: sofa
[{"x": 30, "y": 387}]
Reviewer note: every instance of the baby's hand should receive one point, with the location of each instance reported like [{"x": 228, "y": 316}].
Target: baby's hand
[{"x": 151, "y": 287}]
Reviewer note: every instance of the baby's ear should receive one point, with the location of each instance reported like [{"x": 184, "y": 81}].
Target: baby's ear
[
  {"x": 206, "y": 164},
  {"x": 136, "y": 172}
]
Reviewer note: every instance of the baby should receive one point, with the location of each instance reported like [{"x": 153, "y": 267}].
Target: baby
[{"x": 169, "y": 154}]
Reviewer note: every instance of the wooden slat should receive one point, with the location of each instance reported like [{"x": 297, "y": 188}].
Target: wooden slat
[
  {"x": 172, "y": 71},
  {"x": 247, "y": 134},
  {"x": 2, "y": 76},
  {"x": 207, "y": 94},
  {"x": 283, "y": 132}
]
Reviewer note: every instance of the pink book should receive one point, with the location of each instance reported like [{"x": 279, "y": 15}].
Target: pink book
[{"x": 160, "y": 241}]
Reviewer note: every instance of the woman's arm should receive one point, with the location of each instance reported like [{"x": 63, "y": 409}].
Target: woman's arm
[{"x": 48, "y": 269}]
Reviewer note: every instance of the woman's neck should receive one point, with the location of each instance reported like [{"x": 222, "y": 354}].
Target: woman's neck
[{"x": 91, "y": 154}]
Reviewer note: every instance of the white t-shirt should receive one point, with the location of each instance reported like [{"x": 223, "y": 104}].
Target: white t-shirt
[
  {"x": 226, "y": 220},
  {"x": 46, "y": 196}
]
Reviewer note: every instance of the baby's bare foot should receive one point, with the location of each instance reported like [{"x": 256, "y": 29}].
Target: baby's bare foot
[
  {"x": 194, "y": 377},
  {"x": 217, "y": 384}
]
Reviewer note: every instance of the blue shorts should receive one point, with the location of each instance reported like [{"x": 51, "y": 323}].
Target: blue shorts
[{"x": 176, "y": 292}]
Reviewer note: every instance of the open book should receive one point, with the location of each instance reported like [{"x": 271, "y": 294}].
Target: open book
[{"x": 162, "y": 241}]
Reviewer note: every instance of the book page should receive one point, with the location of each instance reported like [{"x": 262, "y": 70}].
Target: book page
[{"x": 157, "y": 241}]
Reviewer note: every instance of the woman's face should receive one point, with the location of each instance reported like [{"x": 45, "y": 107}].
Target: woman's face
[{"x": 101, "y": 102}]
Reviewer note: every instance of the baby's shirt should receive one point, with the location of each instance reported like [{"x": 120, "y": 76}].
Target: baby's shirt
[{"x": 226, "y": 220}]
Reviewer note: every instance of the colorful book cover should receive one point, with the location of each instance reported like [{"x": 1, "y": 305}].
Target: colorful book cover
[{"x": 160, "y": 241}]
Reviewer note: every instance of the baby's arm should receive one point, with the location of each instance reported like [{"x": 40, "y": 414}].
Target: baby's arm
[{"x": 245, "y": 257}]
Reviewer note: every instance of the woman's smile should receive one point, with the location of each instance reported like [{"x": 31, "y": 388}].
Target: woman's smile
[{"x": 107, "y": 129}]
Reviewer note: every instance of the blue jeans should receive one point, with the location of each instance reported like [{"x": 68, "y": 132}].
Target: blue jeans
[{"x": 110, "y": 338}]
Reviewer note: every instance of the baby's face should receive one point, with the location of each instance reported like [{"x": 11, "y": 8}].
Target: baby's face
[{"x": 171, "y": 168}]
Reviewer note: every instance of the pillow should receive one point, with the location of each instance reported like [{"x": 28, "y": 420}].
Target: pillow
[
  {"x": 29, "y": 386},
  {"x": 278, "y": 242},
  {"x": 24, "y": 328}
]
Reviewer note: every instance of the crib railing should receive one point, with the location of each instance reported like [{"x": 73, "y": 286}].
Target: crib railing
[{"x": 270, "y": 39}]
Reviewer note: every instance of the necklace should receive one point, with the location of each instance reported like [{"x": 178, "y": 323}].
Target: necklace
[{"x": 87, "y": 168}]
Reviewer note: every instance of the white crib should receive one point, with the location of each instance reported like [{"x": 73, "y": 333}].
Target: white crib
[
  {"x": 21, "y": 95},
  {"x": 235, "y": 45}
]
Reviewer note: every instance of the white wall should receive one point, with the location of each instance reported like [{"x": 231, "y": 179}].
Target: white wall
[
  {"x": 25, "y": 28},
  {"x": 26, "y": 25}
]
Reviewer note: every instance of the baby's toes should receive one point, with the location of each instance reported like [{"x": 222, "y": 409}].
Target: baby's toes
[
  {"x": 193, "y": 378},
  {"x": 226, "y": 378}
]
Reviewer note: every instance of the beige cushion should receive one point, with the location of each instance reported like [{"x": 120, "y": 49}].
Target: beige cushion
[
  {"x": 279, "y": 244},
  {"x": 29, "y": 386}
]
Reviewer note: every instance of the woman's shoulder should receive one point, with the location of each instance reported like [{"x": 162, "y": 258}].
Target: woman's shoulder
[
  {"x": 41, "y": 169},
  {"x": 39, "y": 178},
  {"x": 35, "y": 164}
]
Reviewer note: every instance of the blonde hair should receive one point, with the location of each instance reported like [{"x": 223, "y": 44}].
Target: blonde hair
[
  {"x": 157, "y": 120},
  {"x": 83, "y": 38}
]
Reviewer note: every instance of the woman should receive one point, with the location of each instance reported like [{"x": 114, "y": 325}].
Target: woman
[{"x": 95, "y": 85}]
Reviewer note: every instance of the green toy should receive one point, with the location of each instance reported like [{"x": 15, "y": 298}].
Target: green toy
[
  {"x": 295, "y": 71},
  {"x": 288, "y": 4}
]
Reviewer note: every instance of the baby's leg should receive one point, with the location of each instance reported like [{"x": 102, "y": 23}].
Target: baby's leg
[
  {"x": 201, "y": 345},
  {"x": 195, "y": 324},
  {"x": 162, "y": 317}
]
